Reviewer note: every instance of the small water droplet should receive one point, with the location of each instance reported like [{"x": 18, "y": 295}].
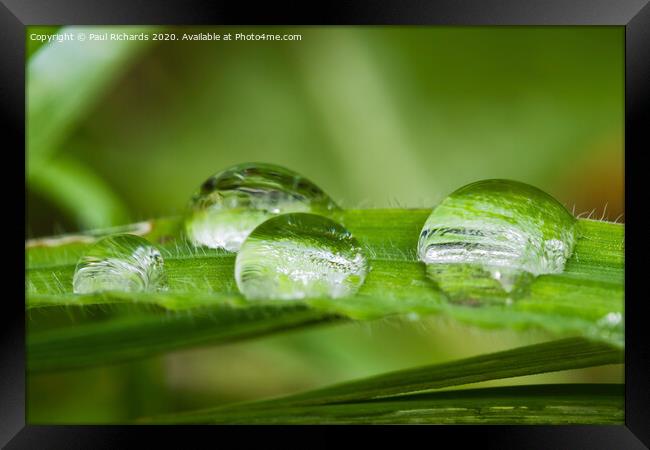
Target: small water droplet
[
  {"x": 121, "y": 262},
  {"x": 610, "y": 328},
  {"x": 612, "y": 320},
  {"x": 489, "y": 239},
  {"x": 295, "y": 256},
  {"x": 230, "y": 204}
]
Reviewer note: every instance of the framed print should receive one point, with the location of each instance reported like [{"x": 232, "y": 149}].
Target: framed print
[{"x": 347, "y": 215}]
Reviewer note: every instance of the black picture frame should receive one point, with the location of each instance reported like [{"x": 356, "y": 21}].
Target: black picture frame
[{"x": 634, "y": 15}]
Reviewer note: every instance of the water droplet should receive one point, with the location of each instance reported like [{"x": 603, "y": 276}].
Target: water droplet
[
  {"x": 610, "y": 328},
  {"x": 121, "y": 262},
  {"x": 612, "y": 319},
  {"x": 294, "y": 256},
  {"x": 230, "y": 204},
  {"x": 489, "y": 239}
]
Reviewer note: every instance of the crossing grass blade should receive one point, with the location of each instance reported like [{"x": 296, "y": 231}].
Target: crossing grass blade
[
  {"x": 408, "y": 396},
  {"x": 584, "y": 404}
]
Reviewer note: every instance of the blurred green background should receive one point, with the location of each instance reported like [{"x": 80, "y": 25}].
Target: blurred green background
[{"x": 120, "y": 131}]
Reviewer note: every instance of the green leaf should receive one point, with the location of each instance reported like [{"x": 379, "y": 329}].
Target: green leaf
[
  {"x": 585, "y": 300},
  {"x": 397, "y": 397}
]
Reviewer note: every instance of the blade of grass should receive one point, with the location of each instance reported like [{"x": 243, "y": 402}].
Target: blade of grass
[
  {"x": 378, "y": 399},
  {"x": 585, "y": 300},
  {"x": 518, "y": 405},
  {"x": 564, "y": 354},
  {"x": 552, "y": 356}
]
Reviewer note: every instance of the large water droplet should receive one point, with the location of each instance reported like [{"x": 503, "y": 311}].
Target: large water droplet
[
  {"x": 299, "y": 255},
  {"x": 230, "y": 204},
  {"x": 489, "y": 239},
  {"x": 121, "y": 262}
]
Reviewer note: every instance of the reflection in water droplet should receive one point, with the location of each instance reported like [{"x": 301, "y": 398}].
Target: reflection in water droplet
[
  {"x": 294, "y": 256},
  {"x": 121, "y": 262},
  {"x": 230, "y": 204},
  {"x": 489, "y": 239}
]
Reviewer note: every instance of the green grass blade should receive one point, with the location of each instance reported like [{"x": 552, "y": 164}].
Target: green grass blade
[
  {"x": 586, "y": 300},
  {"x": 353, "y": 400},
  {"x": 584, "y": 404},
  {"x": 565, "y": 354}
]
